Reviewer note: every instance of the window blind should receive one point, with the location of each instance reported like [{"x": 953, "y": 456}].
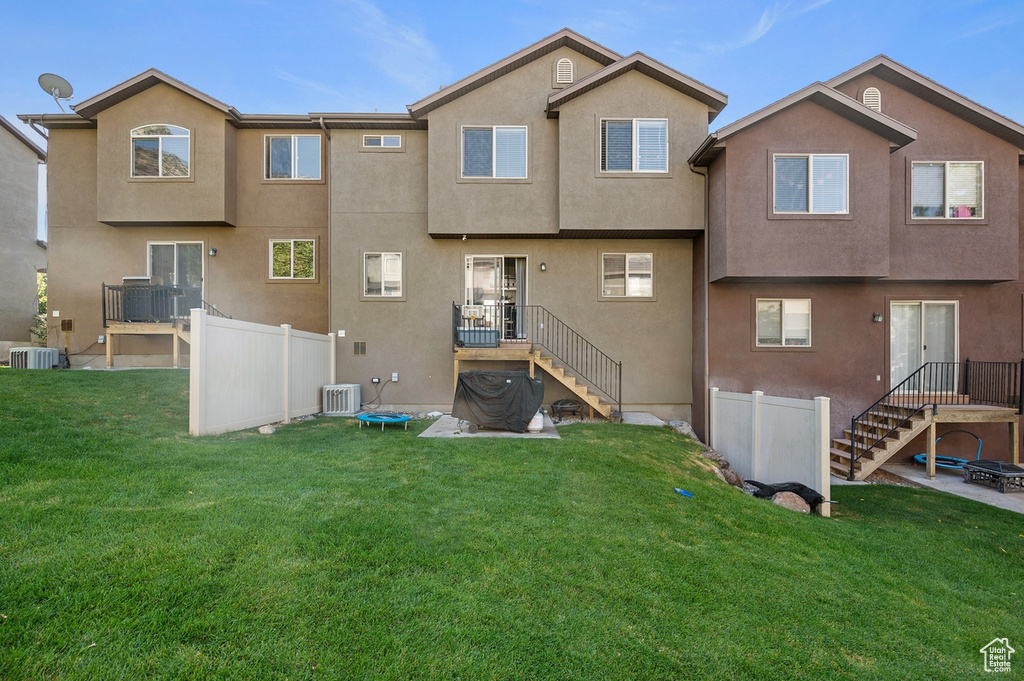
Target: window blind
[
  {"x": 652, "y": 145},
  {"x": 964, "y": 190},
  {"x": 828, "y": 184},
  {"x": 617, "y": 145},
  {"x": 476, "y": 152},
  {"x": 307, "y": 157},
  {"x": 510, "y": 152},
  {"x": 927, "y": 192},
  {"x": 791, "y": 184}
]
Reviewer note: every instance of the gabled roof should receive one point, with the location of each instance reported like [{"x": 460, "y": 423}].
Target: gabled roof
[
  {"x": 563, "y": 38},
  {"x": 652, "y": 68},
  {"x": 849, "y": 108},
  {"x": 23, "y": 138},
  {"x": 938, "y": 95},
  {"x": 145, "y": 80}
]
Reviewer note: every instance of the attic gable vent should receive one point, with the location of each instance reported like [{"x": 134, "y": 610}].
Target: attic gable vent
[
  {"x": 563, "y": 71},
  {"x": 873, "y": 99}
]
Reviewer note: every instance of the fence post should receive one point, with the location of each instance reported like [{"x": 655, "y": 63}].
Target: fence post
[
  {"x": 332, "y": 375},
  {"x": 712, "y": 414},
  {"x": 196, "y": 374},
  {"x": 822, "y": 472},
  {"x": 755, "y": 439},
  {"x": 287, "y": 356}
]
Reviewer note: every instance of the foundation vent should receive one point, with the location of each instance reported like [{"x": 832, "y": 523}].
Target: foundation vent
[{"x": 341, "y": 399}]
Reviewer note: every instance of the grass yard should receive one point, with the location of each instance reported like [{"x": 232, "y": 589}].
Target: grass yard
[{"x": 129, "y": 550}]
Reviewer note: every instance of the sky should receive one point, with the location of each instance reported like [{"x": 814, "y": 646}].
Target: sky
[{"x": 301, "y": 56}]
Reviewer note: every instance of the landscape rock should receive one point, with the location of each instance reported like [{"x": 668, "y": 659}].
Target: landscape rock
[
  {"x": 719, "y": 473},
  {"x": 684, "y": 428},
  {"x": 733, "y": 478},
  {"x": 792, "y": 501},
  {"x": 750, "y": 489},
  {"x": 719, "y": 460},
  {"x": 434, "y": 415},
  {"x": 267, "y": 430}
]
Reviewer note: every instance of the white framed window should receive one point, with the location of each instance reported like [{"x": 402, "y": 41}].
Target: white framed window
[
  {"x": 811, "y": 183},
  {"x": 783, "y": 322},
  {"x": 627, "y": 275},
  {"x": 292, "y": 259},
  {"x": 637, "y": 145},
  {"x": 161, "y": 150},
  {"x": 382, "y": 275},
  {"x": 382, "y": 141},
  {"x": 497, "y": 151},
  {"x": 292, "y": 157},
  {"x": 947, "y": 189},
  {"x": 564, "y": 71}
]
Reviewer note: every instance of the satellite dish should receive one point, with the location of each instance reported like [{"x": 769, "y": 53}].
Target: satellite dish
[{"x": 56, "y": 86}]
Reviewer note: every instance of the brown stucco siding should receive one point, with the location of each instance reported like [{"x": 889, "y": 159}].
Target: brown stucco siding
[{"x": 759, "y": 243}]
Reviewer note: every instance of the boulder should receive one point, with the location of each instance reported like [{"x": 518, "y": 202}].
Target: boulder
[
  {"x": 732, "y": 477},
  {"x": 719, "y": 460},
  {"x": 267, "y": 430},
  {"x": 792, "y": 501},
  {"x": 684, "y": 428},
  {"x": 719, "y": 473}
]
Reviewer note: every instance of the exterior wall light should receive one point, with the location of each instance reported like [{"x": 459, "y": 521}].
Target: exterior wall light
[
  {"x": 543, "y": 267},
  {"x": 877, "y": 317},
  {"x": 213, "y": 252}
]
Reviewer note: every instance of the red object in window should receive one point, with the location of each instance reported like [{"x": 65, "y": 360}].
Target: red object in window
[{"x": 963, "y": 212}]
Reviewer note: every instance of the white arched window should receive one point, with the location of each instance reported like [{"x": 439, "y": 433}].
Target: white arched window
[
  {"x": 872, "y": 99},
  {"x": 564, "y": 71},
  {"x": 160, "y": 150}
]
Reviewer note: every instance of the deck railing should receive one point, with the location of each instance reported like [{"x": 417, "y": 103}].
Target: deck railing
[
  {"x": 533, "y": 325},
  {"x": 935, "y": 384},
  {"x": 152, "y": 303}
]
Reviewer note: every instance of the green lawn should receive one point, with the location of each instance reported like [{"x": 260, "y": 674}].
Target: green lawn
[{"x": 130, "y": 550}]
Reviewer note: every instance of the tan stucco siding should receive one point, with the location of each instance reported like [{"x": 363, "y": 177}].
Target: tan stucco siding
[{"x": 20, "y": 256}]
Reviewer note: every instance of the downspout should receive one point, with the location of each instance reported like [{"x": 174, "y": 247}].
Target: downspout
[
  {"x": 41, "y": 132},
  {"x": 707, "y": 351},
  {"x": 330, "y": 252}
]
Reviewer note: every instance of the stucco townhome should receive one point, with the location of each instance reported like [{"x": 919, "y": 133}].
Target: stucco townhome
[
  {"x": 858, "y": 229},
  {"x": 22, "y": 255},
  {"x": 547, "y": 195}
]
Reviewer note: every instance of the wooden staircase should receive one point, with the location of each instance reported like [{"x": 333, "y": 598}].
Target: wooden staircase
[
  {"x": 884, "y": 419},
  {"x": 592, "y": 400}
]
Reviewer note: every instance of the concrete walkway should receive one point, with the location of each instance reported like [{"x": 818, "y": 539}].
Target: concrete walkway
[
  {"x": 448, "y": 427},
  {"x": 952, "y": 482}
]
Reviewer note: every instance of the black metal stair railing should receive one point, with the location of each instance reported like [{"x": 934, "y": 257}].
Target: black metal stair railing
[
  {"x": 489, "y": 325},
  {"x": 152, "y": 303},
  {"x": 936, "y": 383}
]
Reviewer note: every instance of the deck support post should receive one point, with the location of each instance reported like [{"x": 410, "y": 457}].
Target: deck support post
[
  {"x": 1015, "y": 441},
  {"x": 110, "y": 350},
  {"x": 930, "y": 449},
  {"x": 176, "y": 349}
]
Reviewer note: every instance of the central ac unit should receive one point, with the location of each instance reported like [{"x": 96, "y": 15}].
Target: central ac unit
[
  {"x": 341, "y": 399},
  {"x": 34, "y": 358}
]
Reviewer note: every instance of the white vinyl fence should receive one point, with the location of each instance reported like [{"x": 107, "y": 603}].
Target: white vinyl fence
[
  {"x": 773, "y": 439},
  {"x": 245, "y": 375}
]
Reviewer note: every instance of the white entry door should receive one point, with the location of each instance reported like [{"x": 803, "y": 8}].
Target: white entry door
[
  {"x": 921, "y": 332},
  {"x": 498, "y": 282},
  {"x": 179, "y": 264}
]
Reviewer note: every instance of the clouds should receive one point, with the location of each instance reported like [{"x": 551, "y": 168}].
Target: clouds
[
  {"x": 403, "y": 53},
  {"x": 770, "y": 17}
]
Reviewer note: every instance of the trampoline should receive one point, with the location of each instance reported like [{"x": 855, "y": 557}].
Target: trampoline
[
  {"x": 384, "y": 418},
  {"x": 951, "y": 462}
]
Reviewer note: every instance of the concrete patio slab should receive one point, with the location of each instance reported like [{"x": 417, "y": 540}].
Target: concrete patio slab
[
  {"x": 952, "y": 482},
  {"x": 641, "y": 418},
  {"x": 448, "y": 427}
]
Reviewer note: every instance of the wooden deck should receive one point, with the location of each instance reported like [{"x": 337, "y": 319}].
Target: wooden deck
[{"x": 177, "y": 333}]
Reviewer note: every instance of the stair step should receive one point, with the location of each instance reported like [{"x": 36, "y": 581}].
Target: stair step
[
  {"x": 844, "y": 456},
  {"x": 881, "y": 447}
]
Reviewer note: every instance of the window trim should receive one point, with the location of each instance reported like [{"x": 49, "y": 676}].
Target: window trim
[
  {"x": 603, "y": 296},
  {"x": 132, "y": 136},
  {"x": 783, "y": 345},
  {"x": 494, "y": 155},
  {"x": 293, "y": 151},
  {"x": 401, "y": 295},
  {"x": 810, "y": 194},
  {"x": 634, "y": 148},
  {"x": 382, "y": 137},
  {"x": 944, "y": 218},
  {"x": 292, "y": 277}
]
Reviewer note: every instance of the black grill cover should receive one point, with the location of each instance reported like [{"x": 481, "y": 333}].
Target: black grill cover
[{"x": 502, "y": 400}]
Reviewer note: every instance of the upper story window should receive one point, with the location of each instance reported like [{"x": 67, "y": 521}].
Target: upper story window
[
  {"x": 783, "y": 322},
  {"x": 494, "y": 151},
  {"x": 160, "y": 151},
  {"x": 947, "y": 189},
  {"x": 627, "y": 275},
  {"x": 564, "y": 71},
  {"x": 382, "y": 141},
  {"x": 637, "y": 145},
  {"x": 382, "y": 274},
  {"x": 812, "y": 183},
  {"x": 292, "y": 157},
  {"x": 292, "y": 259}
]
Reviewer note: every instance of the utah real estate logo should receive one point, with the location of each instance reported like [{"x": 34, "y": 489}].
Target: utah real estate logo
[{"x": 997, "y": 655}]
